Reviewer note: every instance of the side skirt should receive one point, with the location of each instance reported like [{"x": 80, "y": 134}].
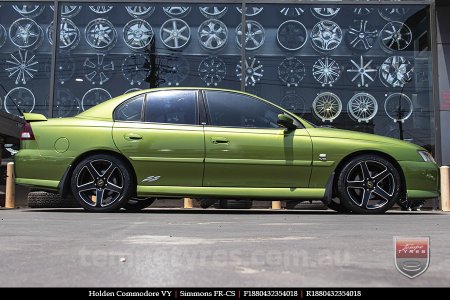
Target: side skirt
[{"x": 256, "y": 193}]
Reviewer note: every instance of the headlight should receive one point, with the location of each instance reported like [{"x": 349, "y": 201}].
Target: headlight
[{"x": 426, "y": 156}]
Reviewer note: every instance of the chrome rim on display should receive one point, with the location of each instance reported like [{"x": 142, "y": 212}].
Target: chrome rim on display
[
  {"x": 292, "y": 11},
  {"x": 326, "y": 35},
  {"x": 69, "y": 34},
  {"x": 100, "y": 34},
  {"x": 253, "y": 71},
  {"x": 22, "y": 66},
  {"x": 212, "y": 70},
  {"x": 140, "y": 11},
  {"x": 212, "y": 34},
  {"x": 291, "y": 71},
  {"x": 137, "y": 34},
  {"x": 360, "y": 11},
  {"x": 65, "y": 103},
  {"x": 292, "y": 35},
  {"x": 325, "y": 12},
  {"x": 326, "y": 71},
  {"x": 327, "y": 106},
  {"x": 175, "y": 33},
  {"x": 173, "y": 70},
  {"x": 94, "y": 97},
  {"x": 132, "y": 90},
  {"x": 393, "y": 13},
  {"x": 251, "y": 11},
  {"x": 136, "y": 68},
  {"x": 100, "y": 9},
  {"x": 396, "y": 36},
  {"x": 213, "y": 12},
  {"x": 293, "y": 103},
  {"x": 177, "y": 11},
  {"x": 361, "y": 35},
  {"x": 68, "y": 11},
  {"x": 398, "y": 107},
  {"x": 370, "y": 184},
  {"x": 362, "y": 107},
  {"x": 102, "y": 179},
  {"x": 2, "y": 35},
  {"x": 29, "y": 11},
  {"x": 254, "y": 35},
  {"x": 98, "y": 71},
  {"x": 25, "y": 33},
  {"x": 396, "y": 71},
  {"x": 65, "y": 67},
  {"x": 22, "y": 97},
  {"x": 362, "y": 72}
]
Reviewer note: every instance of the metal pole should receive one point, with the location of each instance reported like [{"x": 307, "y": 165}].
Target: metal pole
[{"x": 243, "y": 58}]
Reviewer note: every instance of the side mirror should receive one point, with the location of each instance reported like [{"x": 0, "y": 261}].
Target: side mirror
[{"x": 286, "y": 122}]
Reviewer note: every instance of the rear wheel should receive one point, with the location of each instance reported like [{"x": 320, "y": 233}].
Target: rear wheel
[
  {"x": 137, "y": 204},
  {"x": 369, "y": 184},
  {"x": 102, "y": 183}
]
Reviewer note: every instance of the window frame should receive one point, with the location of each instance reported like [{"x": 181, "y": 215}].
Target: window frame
[{"x": 208, "y": 114}]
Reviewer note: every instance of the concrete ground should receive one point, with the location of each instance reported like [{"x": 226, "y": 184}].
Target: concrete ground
[{"x": 214, "y": 248}]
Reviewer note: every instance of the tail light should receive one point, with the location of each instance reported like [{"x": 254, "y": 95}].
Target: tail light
[{"x": 27, "y": 133}]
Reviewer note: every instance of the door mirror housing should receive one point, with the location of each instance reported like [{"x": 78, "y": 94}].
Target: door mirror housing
[{"x": 286, "y": 121}]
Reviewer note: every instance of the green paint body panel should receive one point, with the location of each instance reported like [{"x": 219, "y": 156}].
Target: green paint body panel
[{"x": 247, "y": 162}]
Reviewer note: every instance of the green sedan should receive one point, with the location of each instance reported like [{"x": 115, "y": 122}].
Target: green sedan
[{"x": 213, "y": 143}]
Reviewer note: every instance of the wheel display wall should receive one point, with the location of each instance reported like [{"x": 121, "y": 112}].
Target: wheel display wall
[{"x": 106, "y": 49}]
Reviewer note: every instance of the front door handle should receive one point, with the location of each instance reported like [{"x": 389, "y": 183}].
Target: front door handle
[
  {"x": 219, "y": 140},
  {"x": 132, "y": 137}
]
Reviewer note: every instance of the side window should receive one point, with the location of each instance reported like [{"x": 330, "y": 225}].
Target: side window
[
  {"x": 173, "y": 106},
  {"x": 130, "y": 110},
  {"x": 237, "y": 110}
]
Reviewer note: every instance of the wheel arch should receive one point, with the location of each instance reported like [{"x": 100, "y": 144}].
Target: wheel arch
[
  {"x": 64, "y": 185},
  {"x": 350, "y": 156}
]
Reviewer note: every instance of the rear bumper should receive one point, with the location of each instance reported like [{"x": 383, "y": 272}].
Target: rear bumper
[{"x": 422, "y": 179}]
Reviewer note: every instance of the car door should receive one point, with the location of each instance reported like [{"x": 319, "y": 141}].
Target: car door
[
  {"x": 246, "y": 148},
  {"x": 159, "y": 133}
]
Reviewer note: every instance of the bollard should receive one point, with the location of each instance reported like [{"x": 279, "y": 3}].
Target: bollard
[
  {"x": 10, "y": 186},
  {"x": 276, "y": 204},
  {"x": 445, "y": 189},
  {"x": 188, "y": 203}
]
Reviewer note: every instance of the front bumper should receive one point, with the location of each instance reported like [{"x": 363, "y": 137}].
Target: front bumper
[{"x": 422, "y": 179}]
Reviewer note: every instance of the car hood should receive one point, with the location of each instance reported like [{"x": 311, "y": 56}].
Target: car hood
[{"x": 327, "y": 132}]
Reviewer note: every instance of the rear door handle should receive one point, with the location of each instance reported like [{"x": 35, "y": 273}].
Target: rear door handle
[
  {"x": 219, "y": 140},
  {"x": 132, "y": 137}
]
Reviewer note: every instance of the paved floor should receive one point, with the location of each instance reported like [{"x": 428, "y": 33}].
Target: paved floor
[{"x": 198, "y": 248}]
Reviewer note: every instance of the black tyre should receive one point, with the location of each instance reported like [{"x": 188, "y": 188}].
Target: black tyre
[
  {"x": 236, "y": 204},
  {"x": 102, "y": 183},
  {"x": 338, "y": 207},
  {"x": 205, "y": 203},
  {"x": 369, "y": 184},
  {"x": 49, "y": 200},
  {"x": 409, "y": 205},
  {"x": 137, "y": 204}
]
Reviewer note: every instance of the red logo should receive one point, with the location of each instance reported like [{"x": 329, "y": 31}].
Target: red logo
[{"x": 412, "y": 255}]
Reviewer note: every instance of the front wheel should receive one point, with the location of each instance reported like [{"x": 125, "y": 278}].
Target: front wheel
[
  {"x": 102, "y": 183},
  {"x": 369, "y": 184}
]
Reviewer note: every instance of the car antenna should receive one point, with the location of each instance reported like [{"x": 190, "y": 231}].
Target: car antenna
[{"x": 15, "y": 104}]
